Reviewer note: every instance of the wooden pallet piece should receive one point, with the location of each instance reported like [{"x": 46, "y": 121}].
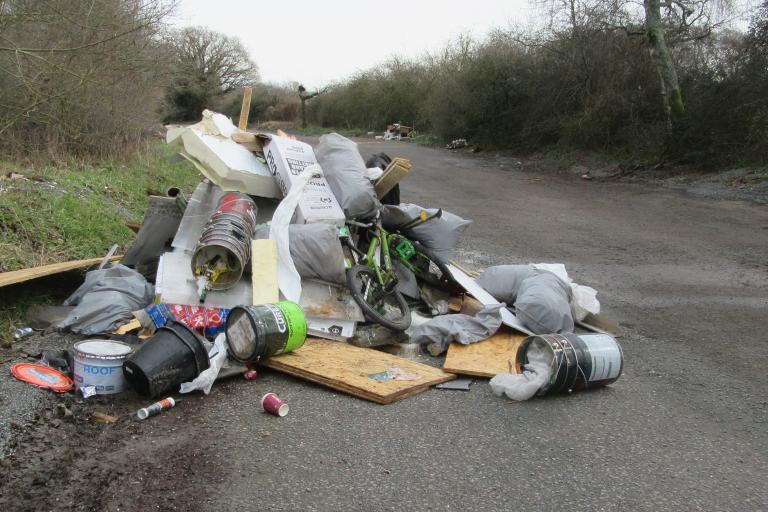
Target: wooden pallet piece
[
  {"x": 348, "y": 368},
  {"x": 27, "y": 274},
  {"x": 245, "y": 108},
  {"x": 485, "y": 358},
  {"x": 395, "y": 171},
  {"x": 264, "y": 272}
]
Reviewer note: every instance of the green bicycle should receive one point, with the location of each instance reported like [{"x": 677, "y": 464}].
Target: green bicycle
[{"x": 373, "y": 281}]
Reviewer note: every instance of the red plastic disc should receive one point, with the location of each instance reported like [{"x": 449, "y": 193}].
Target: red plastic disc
[{"x": 42, "y": 376}]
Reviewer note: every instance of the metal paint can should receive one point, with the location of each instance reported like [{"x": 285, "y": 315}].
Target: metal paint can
[
  {"x": 579, "y": 361},
  {"x": 266, "y": 330},
  {"x": 99, "y": 363}
]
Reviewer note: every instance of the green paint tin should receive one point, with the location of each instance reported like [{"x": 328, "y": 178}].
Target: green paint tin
[{"x": 263, "y": 331}]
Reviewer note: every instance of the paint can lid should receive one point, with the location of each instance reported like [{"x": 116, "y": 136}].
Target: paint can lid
[
  {"x": 103, "y": 349},
  {"x": 42, "y": 376}
]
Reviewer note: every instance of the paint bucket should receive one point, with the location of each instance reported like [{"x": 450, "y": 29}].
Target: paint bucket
[
  {"x": 266, "y": 330},
  {"x": 579, "y": 361},
  {"x": 226, "y": 240},
  {"x": 98, "y": 363},
  {"x": 175, "y": 354}
]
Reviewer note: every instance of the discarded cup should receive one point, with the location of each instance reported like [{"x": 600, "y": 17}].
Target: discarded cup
[
  {"x": 250, "y": 375},
  {"x": 22, "y": 332},
  {"x": 156, "y": 408},
  {"x": 272, "y": 404}
]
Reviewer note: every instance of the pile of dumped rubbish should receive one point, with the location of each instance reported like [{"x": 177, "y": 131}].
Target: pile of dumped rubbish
[{"x": 303, "y": 259}]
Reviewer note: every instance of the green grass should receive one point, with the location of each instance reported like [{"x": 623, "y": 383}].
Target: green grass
[{"x": 74, "y": 210}]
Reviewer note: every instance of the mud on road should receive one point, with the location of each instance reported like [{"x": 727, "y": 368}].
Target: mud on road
[{"x": 683, "y": 429}]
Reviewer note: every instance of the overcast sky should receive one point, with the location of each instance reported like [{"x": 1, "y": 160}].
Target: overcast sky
[{"x": 317, "y": 42}]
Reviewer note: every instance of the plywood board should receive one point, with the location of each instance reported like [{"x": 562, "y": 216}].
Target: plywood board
[
  {"x": 27, "y": 274},
  {"x": 348, "y": 369},
  {"x": 485, "y": 358},
  {"x": 264, "y": 272}
]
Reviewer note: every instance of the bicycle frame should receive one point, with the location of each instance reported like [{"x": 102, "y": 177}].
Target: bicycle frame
[{"x": 384, "y": 272}]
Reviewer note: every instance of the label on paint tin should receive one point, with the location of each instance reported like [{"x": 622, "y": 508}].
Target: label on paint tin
[
  {"x": 606, "y": 356},
  {"x": 240, "y": 334}
]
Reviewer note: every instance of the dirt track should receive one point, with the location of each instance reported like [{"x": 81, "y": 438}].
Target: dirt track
[{"x": 684, "y": 428}]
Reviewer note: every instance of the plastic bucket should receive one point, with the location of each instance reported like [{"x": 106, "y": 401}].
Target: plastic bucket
[
  {"x": 175, "y": 354},
  {"x": 98, "y": 363},
  {"x": 579, "y": 361},
  {"x": 266, "y": 330}
]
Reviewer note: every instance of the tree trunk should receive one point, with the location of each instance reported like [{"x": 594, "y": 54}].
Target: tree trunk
[{"x": 670, "y": 88}]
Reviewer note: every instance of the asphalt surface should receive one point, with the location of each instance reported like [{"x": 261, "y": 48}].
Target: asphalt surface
[{"x": 683, "y": 429}]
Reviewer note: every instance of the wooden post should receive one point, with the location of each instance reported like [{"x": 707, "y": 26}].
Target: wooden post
[{"x": 245, "y": 109}]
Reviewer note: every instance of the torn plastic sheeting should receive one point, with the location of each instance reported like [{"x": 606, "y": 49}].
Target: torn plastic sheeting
[
  {"x": 584, "y": 298},
  {"x": 106, "y": 299},
  {"x": 439, "y": 332},
  {"x": 345, "y": 172},
  {"x": 535, "y": 375},
  {"x": 288, "y": 278},
  {"x": 217, "y": 357}
]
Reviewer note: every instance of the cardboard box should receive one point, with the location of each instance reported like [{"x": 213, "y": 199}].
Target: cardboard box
[{"x": 287, "y": 159}]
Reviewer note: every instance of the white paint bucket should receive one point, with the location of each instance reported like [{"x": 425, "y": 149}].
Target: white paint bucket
[{"x": 99, "y": 363}]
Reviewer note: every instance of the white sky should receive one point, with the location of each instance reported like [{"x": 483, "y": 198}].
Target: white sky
[{"x": 316, "y": 42}]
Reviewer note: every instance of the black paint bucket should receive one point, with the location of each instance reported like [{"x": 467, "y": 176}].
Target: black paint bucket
[
  {"x": 579, "y": 361},
  {"x": 175, "y": 354},
  {"x": 266, "y": 330}
]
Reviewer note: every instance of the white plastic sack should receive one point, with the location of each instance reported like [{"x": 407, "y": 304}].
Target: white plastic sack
[
  {"x": 217, "y": 356},
  {"x": 288, "y": 278},
  {"x": 584, "y": 298},
  {"x": 536, "y": 374}
]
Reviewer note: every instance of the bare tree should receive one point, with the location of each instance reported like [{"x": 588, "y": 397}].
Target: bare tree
[
  {"x": 78, "y": 75},
  {"x": 207, "y": 65}
]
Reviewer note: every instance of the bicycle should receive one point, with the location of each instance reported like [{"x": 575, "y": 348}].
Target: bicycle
[{"x": 372, "y": 280}]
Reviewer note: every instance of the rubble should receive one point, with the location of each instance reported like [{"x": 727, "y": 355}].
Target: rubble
[{"x": 304, "y": 260}]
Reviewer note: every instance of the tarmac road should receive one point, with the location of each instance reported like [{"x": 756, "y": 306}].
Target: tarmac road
[{"x": 683, "y": 429}]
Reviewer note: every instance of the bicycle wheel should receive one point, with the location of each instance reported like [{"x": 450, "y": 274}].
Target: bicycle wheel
[
  {"x": 430, "y": 269},
  {"x": 386, "y": 308}
]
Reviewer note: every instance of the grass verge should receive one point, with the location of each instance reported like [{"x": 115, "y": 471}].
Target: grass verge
[{"x": 75, "y": 209}]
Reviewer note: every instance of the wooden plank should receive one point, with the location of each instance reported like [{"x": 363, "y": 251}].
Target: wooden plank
[
  {"x": 264, "y": 272},
  {"x": 395, "y": 171},
  {"x": 485, "y": 358},
  {"x": 245, "y": 108},
  {"x": 348, "y": 369},
  {"x": 27, "y": 274},
  {"x": 248, "y": 140}
]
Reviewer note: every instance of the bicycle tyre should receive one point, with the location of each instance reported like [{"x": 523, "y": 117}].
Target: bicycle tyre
[
  {"x": 356, "y": 276},
  {"x": 443, "y": 280}
]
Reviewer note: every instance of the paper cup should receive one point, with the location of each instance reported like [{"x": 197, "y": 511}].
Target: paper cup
[{"x": 272, "y": 404}]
